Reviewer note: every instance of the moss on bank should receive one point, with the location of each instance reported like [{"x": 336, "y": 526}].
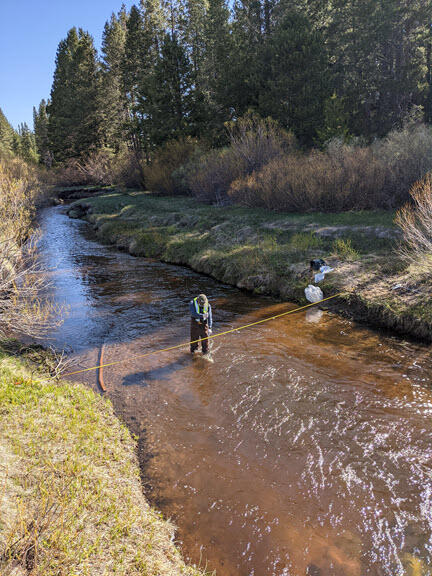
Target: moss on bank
[
  {"x": 71, "y": 499},
  {"x": 268, "y": 252}
]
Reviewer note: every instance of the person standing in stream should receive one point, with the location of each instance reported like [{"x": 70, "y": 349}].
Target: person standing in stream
[{"x": 201, "y": 322}]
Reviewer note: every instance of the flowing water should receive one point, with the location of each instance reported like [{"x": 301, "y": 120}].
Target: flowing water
[{"x": 305, "y": 448}]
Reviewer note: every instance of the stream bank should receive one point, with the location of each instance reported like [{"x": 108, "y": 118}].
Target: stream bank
[
  {"x": 267, "y": 253},
  {"x": 72, "y": 501}
]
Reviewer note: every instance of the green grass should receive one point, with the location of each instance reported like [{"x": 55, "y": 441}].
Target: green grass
[
  {"x": 344, "y": 249},
  {"x": 233, "y": 243},
  {"x": 138, "y": 203},
  {"x": 157, "y": 222},
  {"x": 71, "y": 499},
  {"x": 260, "y": 250}
]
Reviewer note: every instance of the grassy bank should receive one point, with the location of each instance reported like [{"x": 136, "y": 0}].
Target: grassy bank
[
  {"x": 71, "y": 499},
  {"x": 268, "y": 252}
]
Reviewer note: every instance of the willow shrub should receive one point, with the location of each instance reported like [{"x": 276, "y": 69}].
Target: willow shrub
[
  {"x": 254, "y": 142},
  {"x": 163, "y": 174},
  {"x": 22, "y": 280},
  {"x": 342, "y": 177},
  {"x": 210, "y": 178},
  {"x": 102, "y": 168},
  {"x": 19, "y": 193},
  {"x": 415, "y": 221},
  {"x": 407, "y": 156}
]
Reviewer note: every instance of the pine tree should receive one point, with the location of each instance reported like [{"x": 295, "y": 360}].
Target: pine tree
[
  {"x": 203, "y": 110},
  {"x": 218, "y": 47},
  {"x": 379, "y": 59},
  {"x": 132, "y": 74},
  {"x": 40, "y": 127},
  {"x": 7, "y": 135},
  {"x": 319, "y": 12},
  {"x": 61, "y": 119},
  {"x": 247, "y": 72},
  {"x": 176, "y": 18},
  {"x": 27, "y": 144},
  {"x": 196, "y": 14},
  {"x": 298, "y": 84},
  {"x": 131, "y": 67},
  {"x": 335, "y": 120},
  {"x": 172, "y": 104},
  {"x": 218, "y": 55},
  {"x": 74, "y": 127},
  {"x": 112, "y": 96},
  {"x": 403, "y": 32},
  {"x": 85, "y": 84},
  {"x": 154, "y": 22}
]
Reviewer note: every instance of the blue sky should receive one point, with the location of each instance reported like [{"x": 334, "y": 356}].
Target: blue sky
[{"x": 30, "y": 31}]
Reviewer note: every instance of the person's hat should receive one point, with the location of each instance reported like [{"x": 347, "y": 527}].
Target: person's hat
[{"x": 202, "y": 299}]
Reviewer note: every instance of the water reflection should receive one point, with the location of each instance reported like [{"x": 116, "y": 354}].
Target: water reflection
[
  {"x": 314, "y": 315},
  {"x": 304, "y": 449}
]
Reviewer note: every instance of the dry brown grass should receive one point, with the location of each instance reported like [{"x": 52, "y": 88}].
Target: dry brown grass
[{"x": 415, "y": 220}]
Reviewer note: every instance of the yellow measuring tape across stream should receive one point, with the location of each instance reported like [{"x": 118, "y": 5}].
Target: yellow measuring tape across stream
[{"x": 177, "y": 346}]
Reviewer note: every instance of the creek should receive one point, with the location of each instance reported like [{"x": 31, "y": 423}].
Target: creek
[{"x": 305, "y": 448}]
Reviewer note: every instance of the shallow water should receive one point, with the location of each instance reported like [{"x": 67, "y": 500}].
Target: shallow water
[{"x": 305, "y": 448}]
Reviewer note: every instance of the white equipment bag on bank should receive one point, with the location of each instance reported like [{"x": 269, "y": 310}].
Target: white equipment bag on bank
[{"x": 313, "y": 294}]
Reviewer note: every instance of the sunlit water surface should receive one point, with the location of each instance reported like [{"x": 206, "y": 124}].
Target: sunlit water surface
[{"x": 305, "y": 448}]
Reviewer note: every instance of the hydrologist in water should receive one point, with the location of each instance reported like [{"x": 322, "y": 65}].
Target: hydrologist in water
[{"x": 201, "y": 322}]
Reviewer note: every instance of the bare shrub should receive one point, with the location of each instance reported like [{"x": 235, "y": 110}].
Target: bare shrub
[
  {"x": 19, "y": 192},
  {"x": 341, "y": 178},
  {"x": 263, "y": 168},
  {"x": 102, "y": 168},
  {"x": 211, "y": 176},
  {"x": 415, "y": 220},
  {"x": 70, "y": 174},
  {"x": 406, "y": 156},
  {"x": 97, "y": 168},
  {"x": 22, "y": 309},
  {"x": 128, "y": 168},
  {"x": 255, "y": 141},
  {"x": 162, "y": 175}
]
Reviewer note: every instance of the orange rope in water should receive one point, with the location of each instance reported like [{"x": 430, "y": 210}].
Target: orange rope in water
[
  {"x": 183, "y": 344},
  {"x": 100, "y": 374}
]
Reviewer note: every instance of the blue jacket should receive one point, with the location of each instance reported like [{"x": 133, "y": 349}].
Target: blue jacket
[{"x": 201, "y": 317}]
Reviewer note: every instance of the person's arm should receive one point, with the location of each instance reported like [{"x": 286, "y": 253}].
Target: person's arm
[
  {"x": 193, "y": 312},
  {"x": 210, "y": 317}
]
